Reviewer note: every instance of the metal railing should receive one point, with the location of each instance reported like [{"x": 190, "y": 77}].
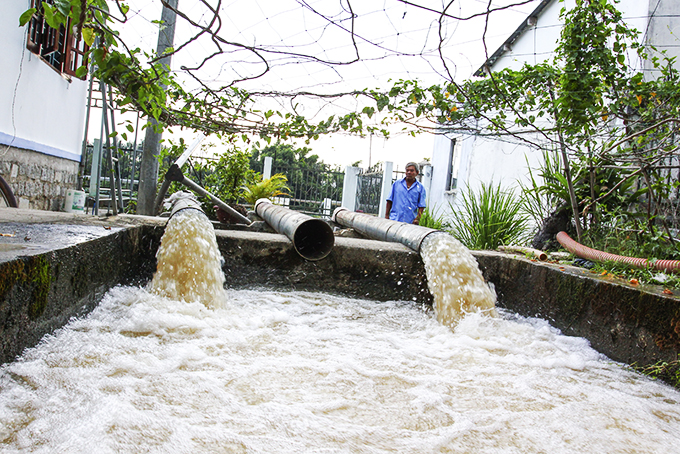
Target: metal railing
[{"x": 313, "y": 190}]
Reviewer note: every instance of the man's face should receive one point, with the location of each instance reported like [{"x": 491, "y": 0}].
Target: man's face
[{"x": 411, "y": 173}]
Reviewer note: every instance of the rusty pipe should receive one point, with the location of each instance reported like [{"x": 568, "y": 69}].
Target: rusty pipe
[
  {"x": 593, "y": 254},
  {"x": 312, "y": 238}
]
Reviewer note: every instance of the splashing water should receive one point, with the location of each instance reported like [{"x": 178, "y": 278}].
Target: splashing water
[
  {"x": 454, "y": 279},
  {"x": 275, "y": 372},
  {"x": 280, "y": 372},
  {"x": 189, "y": 261}
]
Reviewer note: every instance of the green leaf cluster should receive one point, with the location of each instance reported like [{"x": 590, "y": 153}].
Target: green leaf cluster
[
  {"x": 490, "y": 217},
  {"x": 265, "y": 189}
]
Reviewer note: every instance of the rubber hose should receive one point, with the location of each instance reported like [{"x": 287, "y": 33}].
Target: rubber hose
[{"x": 593, "y": 254}]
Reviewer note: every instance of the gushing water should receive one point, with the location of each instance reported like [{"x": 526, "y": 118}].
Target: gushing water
[
  {"x": 156, "y": 370},
  {"x": 454, "y": 279},
  {"x": 189, "y": 261}
]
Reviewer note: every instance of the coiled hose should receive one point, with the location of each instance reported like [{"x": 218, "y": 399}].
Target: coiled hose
[{"x": 585, "y": 252}]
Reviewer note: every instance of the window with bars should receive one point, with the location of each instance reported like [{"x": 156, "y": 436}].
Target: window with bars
[{"x": 61, "y": 48}]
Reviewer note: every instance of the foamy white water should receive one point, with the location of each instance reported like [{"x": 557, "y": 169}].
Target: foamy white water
[
  {"x": 189, "y": 261},
  {"x": 275, "y": 372},
  {"x": 454, "y": 279}
]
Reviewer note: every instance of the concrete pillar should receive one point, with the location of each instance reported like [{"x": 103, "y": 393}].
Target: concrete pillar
[
  {"x": 267, "y": 171},
  {"x": 349, "y": 188},
  {"x": 386, "y": 187},
  {"x": 95, "y": 169}
]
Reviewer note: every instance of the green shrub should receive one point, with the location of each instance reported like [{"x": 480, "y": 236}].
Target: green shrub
[
  {"x": 432, "y": 219},
  {"x": 490, "y": 218},
  {"x": 265, "y": 189}
]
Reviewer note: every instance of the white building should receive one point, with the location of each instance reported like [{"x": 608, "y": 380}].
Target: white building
[
  {"x": 468, "y": 161},
  {"x": 44, "y": 104}
]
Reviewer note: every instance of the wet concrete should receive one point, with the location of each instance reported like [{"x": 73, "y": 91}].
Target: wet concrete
[{"x": 54, "y": 266}]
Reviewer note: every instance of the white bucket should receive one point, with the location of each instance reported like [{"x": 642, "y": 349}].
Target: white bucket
[{"x": 75, "y": 201}]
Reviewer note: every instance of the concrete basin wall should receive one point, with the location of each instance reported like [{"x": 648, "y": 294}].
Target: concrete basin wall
[
  {"x": 628, "y": 323},
  {"x": 41, "y": 291},
  {"x": 54, "y": 278}
]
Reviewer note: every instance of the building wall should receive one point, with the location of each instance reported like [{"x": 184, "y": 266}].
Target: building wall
[
  {"x": 664, "y": 30},
  {"x": 39, "y": 181},
  {"x": 538, "y": 42},
  {"x": 42, "y": 119},
  {"x": 486, "y": 160}
]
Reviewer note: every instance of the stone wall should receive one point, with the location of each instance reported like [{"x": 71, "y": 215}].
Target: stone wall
[{"x": 39, "y": 181}]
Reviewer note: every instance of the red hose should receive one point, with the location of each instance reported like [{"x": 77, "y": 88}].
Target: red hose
[{"x": 592, "y": 254}]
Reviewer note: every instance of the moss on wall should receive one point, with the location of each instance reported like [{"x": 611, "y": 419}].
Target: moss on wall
[{"x": 30, "y": 271}]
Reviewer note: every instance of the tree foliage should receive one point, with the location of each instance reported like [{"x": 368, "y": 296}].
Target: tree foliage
[{"x": 613, "y": 129}]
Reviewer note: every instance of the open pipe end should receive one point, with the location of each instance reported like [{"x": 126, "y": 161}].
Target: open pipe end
[
  {"x": 313, "y": 239},
  {"x": 184, "y": 200},
  {"x": 334, "y": 217}
]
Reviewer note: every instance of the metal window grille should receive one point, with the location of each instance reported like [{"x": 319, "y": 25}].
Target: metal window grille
[
  {"x": 61, "y": 49},
  {"x": 369, "y": 187}
]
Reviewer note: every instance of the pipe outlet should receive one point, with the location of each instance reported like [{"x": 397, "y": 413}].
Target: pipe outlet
[
  {"x": 312, "y": 238},
  {"x": 184, "y": 200}
]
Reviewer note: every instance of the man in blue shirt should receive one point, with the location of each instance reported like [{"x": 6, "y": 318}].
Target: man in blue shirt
[{"x": 407, "y": 198}]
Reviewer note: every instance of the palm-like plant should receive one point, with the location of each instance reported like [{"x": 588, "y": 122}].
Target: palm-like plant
[{"x": 265, "y": 189}]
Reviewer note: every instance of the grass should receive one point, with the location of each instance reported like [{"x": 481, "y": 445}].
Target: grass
[
  {"x": 667, "y": 371},
  {"x": 489, "y": 218},
  {"x": 638, "y": 276},
  {"x": 431, "y": 218}
]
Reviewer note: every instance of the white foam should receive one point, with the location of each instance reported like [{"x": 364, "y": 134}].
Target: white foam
[
  {"x": 189, "y": 261},
  {"x": 454, "y": 279},
  {"x": 301, "y": 372},
  {"x": 187, "y": 367}
]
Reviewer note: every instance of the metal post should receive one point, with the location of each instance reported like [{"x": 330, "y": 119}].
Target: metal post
[{"x": 112, "y": 185}]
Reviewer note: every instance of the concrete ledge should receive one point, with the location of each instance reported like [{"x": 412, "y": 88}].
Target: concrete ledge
[{"x": 358, "y": 268}]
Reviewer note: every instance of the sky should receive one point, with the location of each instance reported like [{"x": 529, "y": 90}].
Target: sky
[{"x": 392, "y": 40}]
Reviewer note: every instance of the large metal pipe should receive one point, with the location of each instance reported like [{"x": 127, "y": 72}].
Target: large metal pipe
[
  {"x": 175, "y": 174},
  {"x": 184, "y": 200},
  {"x": 377, "y": 228},
  {"x": 312, "y": 238}
]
